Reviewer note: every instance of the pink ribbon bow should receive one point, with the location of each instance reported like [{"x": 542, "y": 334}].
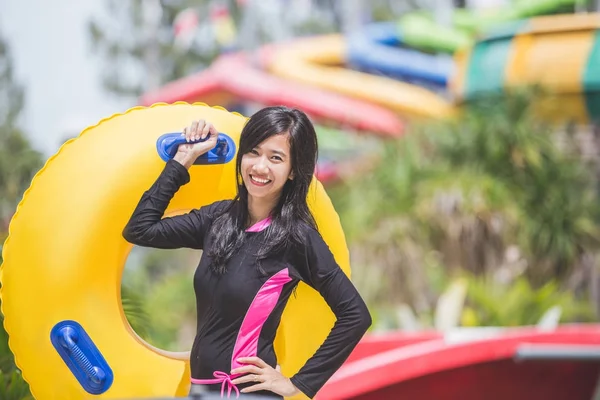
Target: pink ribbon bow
[{"x": 222, "y": 378}]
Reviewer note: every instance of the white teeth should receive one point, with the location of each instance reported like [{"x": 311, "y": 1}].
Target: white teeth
[{"x": 259, "y": 180}]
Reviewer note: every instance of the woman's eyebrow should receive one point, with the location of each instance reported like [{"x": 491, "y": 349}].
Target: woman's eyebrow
[{"x": 279, "y": 152}]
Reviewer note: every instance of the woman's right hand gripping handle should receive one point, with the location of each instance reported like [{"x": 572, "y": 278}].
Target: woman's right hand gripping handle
[{"x": 188, "y": 153}]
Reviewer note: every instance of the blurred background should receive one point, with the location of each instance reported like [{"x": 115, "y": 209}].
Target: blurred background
[{"x": 458, "y": 140}]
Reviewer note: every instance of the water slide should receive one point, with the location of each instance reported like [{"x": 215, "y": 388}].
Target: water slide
[
  {"x": 560, "y": 53},
  {"x": 232, "y": 78},
  {"x": 318, "y": 62},
  {"x": 393, "y": 49},
  {"x": 377, "y": 49},
  {"x": 420, "y": 30}
]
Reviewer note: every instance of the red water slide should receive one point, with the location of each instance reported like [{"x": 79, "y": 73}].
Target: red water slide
[{"x": 232, "y": 78}]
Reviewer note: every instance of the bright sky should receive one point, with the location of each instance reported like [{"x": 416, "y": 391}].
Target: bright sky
[{"x": 53, "y": 60}]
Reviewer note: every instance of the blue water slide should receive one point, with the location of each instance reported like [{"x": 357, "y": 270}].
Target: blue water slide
[{"x": 378, "y": 49}]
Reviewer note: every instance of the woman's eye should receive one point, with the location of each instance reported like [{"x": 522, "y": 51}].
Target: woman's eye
[
  {"x": 277, "y": 158},
  {"x": 253, "y": 151}
]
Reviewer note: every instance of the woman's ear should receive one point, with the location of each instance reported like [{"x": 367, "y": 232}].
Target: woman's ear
[{"x": 291, "y": 177}]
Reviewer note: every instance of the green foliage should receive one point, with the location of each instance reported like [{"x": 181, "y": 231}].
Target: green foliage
[
  {"x": 13, "y": 387},
  {"x": 18, "y": 160},
  {"x": 174, "y": 296},
  {"x": 465, "y": 194},
  {"x": 134, "y": 307},
  {"x": 556, "y": 193},
  {"x": 11, "y": 94},
  {"x": 6, "y": 356},
  {"x": 18, "y": 163},
  {"x": 161, "y": 281},
  {"x": 491, "y": 303}
]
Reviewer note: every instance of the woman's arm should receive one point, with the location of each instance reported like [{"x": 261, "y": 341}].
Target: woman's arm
[
  {"x": 146, "y": 226},
  {"x": 353, "y": 318}
]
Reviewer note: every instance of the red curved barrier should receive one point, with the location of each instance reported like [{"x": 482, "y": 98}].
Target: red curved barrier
[
  {"x": 567, "y": 367},
  {"x": 378, "y": 343}
]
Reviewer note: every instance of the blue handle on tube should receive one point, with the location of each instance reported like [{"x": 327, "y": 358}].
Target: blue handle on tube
[{"x": 222, "y": 153}]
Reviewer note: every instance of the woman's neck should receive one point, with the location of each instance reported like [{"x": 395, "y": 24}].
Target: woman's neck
[{"x": 259, "y": 209}]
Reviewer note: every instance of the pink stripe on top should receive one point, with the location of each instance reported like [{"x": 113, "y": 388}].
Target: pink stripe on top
[
  {"x": 260, "y": 225},
  {"x": 246, "y": 344}
]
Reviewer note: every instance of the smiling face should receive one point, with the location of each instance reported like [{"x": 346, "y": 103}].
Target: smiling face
[{"x": 267, "y": 167}]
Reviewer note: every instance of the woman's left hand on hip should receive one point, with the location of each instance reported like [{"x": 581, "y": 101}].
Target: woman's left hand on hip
[{"x": 265, "y": 376}]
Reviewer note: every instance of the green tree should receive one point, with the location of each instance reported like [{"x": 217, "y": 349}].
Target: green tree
[
  {"x": 556, "y": 192},
  {"x": 18, "y": 163},
  {"x": 137, "y": 44},
  {"x": 18, "y": 160},
  {"x": 493, "y": 192},
  {"x": 141, "y": 51}
]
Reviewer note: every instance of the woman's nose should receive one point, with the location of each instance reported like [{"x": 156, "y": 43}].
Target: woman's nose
[{"x": 261, "y": 165}]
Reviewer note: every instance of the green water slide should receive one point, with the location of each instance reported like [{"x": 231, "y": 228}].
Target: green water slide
[
  {"x": 420, "y": 29},
  {"x": 571, "y": 71}
]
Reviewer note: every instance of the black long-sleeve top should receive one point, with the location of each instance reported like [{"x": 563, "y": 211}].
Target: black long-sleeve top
[{"x": 238, "y": 313}]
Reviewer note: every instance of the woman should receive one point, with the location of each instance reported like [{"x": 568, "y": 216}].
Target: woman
[{"x": 257, "y": 248}]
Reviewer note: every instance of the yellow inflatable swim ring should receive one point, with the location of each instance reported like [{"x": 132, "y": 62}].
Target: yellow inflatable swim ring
[{"x": 64, "y": 258}]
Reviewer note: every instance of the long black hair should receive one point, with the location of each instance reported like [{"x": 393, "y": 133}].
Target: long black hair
[{"x": 291, "y": 212}]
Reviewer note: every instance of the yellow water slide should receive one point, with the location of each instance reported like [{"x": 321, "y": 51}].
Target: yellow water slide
[
  {"x": 318, "y": 61},
  {"x": 560, "y": 53}
]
